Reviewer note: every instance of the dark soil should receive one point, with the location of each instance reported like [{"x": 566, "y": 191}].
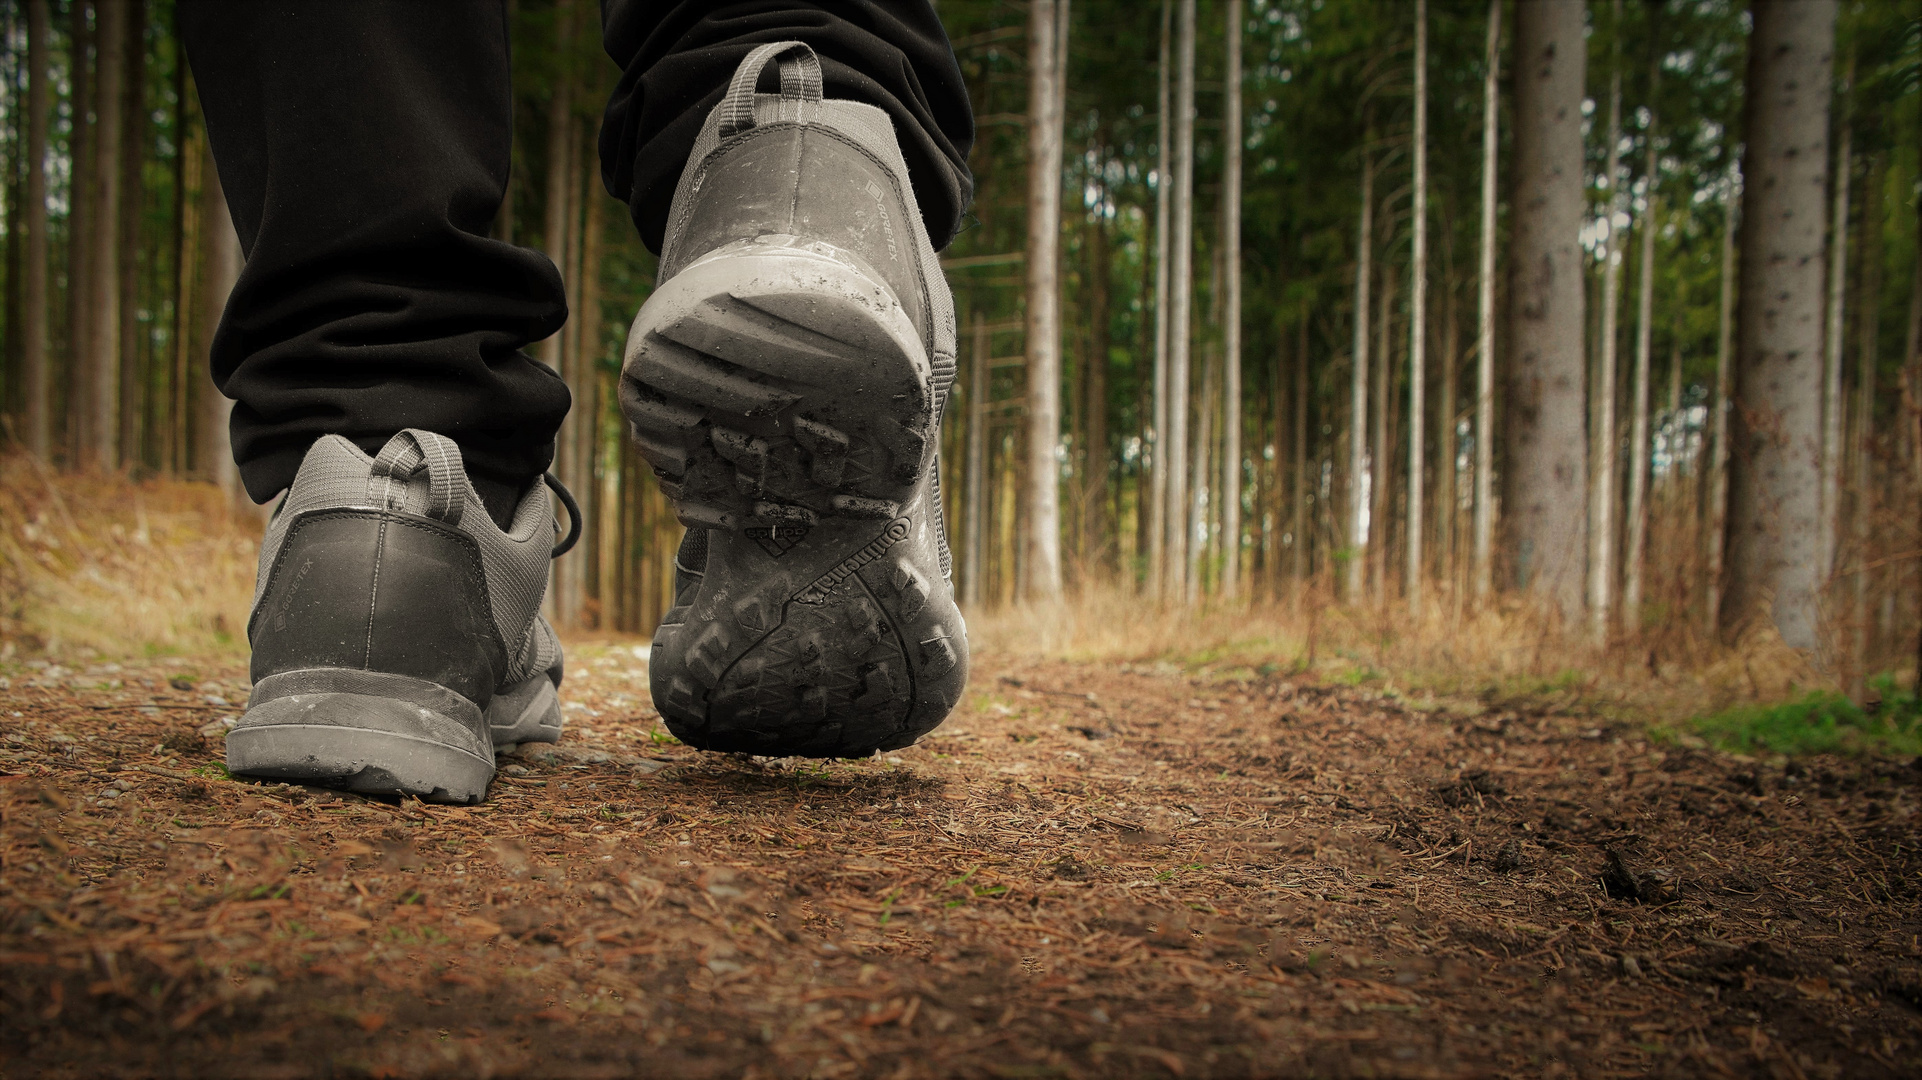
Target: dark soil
[{"x": 1091, "y": 870}]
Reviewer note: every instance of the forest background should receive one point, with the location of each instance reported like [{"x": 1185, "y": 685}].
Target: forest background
[{"x": 1297, "y": 351}]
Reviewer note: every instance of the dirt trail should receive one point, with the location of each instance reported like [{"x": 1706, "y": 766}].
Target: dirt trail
[{"x": 1091, "y": 870}]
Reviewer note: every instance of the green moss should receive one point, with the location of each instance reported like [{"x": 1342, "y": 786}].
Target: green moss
[{"x": 1823, "y": 722}]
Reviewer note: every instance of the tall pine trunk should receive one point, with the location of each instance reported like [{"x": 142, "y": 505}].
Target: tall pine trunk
[
  {"x": 1381, "y": 459},
  {"x": 219, "y": 270},
  {"x": 1231, "y": 313},
  {"x": 1180, "y": 302},
  {"x": 974, "y": 582},
  {"x": 1356, "y": 572},
  {"x": 1484, "y": 553},
  {"x": 1418, "y": 322},
  {"x": 133, "y": 137},
  {"x": 1716, "y": 515},
  {"x": 1097, "y": 460},
  {"x": 557, "y": 232},
  {"x": 1041, "y": 578},
  {"x": 1775, "y": 463},
  {"x": 80, "y": 198},
  {"x": 1867, "y": 318},
  {"x": 35, "y": 366},
  {"x": 101, "y": 445},
  {"x": 1603, "y": 437},
  {"x": 1831, "y": 483},
  {"x": 1544, "y": 463},
  {"x": 1156, "y": 512},
  {"x": 1635, "y": 557}
]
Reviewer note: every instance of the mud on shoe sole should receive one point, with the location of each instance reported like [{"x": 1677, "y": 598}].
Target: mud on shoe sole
[{"x": 787, "y": 404}]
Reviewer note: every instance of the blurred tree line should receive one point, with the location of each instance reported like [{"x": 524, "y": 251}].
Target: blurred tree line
[{"x": 1401, "y": 306}]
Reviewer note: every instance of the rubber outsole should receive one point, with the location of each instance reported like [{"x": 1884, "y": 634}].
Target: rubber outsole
[
  {"x": 365, "y": 731},
  {"x": 787, "y": 405}
]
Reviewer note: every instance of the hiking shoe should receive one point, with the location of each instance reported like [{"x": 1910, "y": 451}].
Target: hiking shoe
[
  {"x": 786, "y": 380},
  {"x": 396, "y": 630}
]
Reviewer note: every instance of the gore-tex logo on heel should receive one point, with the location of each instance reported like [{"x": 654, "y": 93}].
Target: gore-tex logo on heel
[{"x": 777, "y": 540}]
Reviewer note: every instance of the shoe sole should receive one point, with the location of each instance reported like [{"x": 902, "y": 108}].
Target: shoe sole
[
  {"x": 787, "y": 405},
  {"x": 380, "y": 734}
]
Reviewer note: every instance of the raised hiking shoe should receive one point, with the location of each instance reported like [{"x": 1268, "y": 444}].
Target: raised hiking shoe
[
  {"x": 396, "y": 630},
  {"x": 786, "y": 380}
]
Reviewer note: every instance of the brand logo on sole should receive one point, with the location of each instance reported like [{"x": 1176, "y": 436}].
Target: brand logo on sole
[
  {"x": 777, "y": 540},
  {"x": 897, "y": 531}
]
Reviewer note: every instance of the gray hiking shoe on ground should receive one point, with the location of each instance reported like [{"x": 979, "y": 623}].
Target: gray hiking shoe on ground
[
  {"x": 396, "y": 630},
  {"x": 786, "y": 380}
]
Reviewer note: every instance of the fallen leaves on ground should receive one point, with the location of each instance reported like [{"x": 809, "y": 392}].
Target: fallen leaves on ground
[{"x": 1090, "y": 870}]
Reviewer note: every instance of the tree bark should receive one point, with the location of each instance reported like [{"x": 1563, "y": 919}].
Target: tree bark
[
  {"x": 1544, "y": 464},
  {"x": 1867, "y": 332},
  {"x": 1603, "y": 438},
  {"x": 80, "y": 199},
  {"x": 1356, "y": 572},
  {"x": 1181, "y": 298},
  {"x": 1485, "y": 315},
  {"x": 1381, "y": 468},
  {"x": 132, "y": 380},
  {"x": 1041, "y": 578},
  {"x": 1418, "y": 322},
  {"x": 1717, "y": 524},
  {"x": 1231, "y": 313},
  {"x": 974, "y": 582},
  {"x": 588, "y": 340},
  {"x": 1831, "y": 483},
  {"x": 220, "y": 270},
  {"x": 1775, "y": 463},
  {"x": 1097, "y": 460},
  {"x": 101, "y": 447},
  {"x": 1157, "y": 509},
  {"x": 1197, "y": 509},
  {"x": 1298, "y": 518},
  {"x": 557, "y": 232},
  {"x": 35, "y": 369},
  {"x": 1638, "y": 447}
]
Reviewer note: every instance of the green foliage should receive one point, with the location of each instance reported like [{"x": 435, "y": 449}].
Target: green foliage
[{"x": 1823, "y": 721}]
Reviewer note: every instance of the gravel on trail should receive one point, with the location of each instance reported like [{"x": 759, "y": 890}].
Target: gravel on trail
[{"x": 1090, "y": 870}]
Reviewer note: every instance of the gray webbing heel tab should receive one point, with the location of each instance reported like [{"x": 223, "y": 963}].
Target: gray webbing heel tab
[
  {"x": 800, "y": 81},
  {"x": 403, "y": 458}
]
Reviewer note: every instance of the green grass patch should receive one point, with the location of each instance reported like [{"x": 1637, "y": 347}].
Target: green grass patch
[{"x": 1823, "y": 722}]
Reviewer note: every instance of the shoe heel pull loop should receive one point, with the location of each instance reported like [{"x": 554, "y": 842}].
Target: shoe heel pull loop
[
  {"x": 403, "y": 458},
  {"x": 800, "y": 81}
]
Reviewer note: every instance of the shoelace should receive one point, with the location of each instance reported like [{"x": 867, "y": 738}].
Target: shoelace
[{"x": 573, "y": 515}]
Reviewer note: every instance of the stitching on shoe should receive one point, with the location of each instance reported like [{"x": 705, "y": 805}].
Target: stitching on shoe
[{"x": 373, "y": 593}]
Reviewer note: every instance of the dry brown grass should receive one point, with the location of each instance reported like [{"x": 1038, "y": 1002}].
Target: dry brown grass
[
  {"x": 101, "y": 566},
  {"x": 104, "y": 567}
]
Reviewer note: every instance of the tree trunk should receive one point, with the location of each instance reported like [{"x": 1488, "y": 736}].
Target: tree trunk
[
  {"x": 1775, "y": 463},
  {"x": 1447, "y": 438},
  {"x": 974, "y": 582},
  {"x": 1638, "y": 448},
  {"x": 1830, "y": 493},
  {"x": 588, "y": 341},
  {"x": 1358, "y": 462},
  {"x": 1298, "y": 518},
  {"x": 132, "y": 378},
  {"x": 1157, "y": 509},
  {"x": 80, "y": 199},
  {"x": 1418, "y": 321},
  {"x": 1717, "y": 515},
  {"x": 1868, "y": 321},
  {"x": 101, "y": 448},
  {"x": 34, "y": 353},
  {"x": 1381, "y": 462},
  {"x": 221, "y": 269},
  {"x": 1197, "y": 516},
  {"x": 1097, "y": 460},
  {"x": 1041, "y": 579},
  {"x": 1603, "y": 438},
  {"x": 1485, "y": 315},
  {"x": 1544, "y": 462},
  {"x": 1180, "y": 303},
  {"x": 1231, "y": 314}
]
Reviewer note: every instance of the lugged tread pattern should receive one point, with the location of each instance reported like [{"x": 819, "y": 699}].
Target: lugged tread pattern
[{"x": 799, "y": 409}]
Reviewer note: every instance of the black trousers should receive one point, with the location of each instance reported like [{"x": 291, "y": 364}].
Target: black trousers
[{"x": 364, "y": 149}]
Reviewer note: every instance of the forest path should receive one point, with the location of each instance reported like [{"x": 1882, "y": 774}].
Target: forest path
[{"x": 1092, "y": 869}]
